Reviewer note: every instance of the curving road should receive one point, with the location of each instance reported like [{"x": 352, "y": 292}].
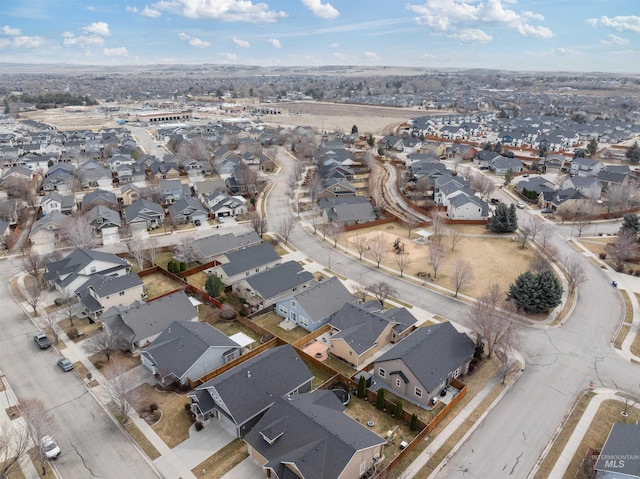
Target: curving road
[{"x": 560, "y": 362}]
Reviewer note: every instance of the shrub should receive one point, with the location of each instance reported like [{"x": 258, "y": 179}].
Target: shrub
[
  {"x": 602, "y": 255},
  {"x": 187, "y": 407},
  {"x": 99, "y": 365},
  {"x": 398, "y": 412},
  {"x": 73, "y": 333},
  {"x": 637, "y": 273},
  {"x": 380, "y": 399},
  {"x": 183, "y": 266},
  {"x": 227, "y": 313},
  {"x": 153, "y": 407},
  {"x": 619, "y": 268},
  {"x": 413, "y": 425},
  {"x": 362, "y": 387},
  {"x": 632, "y": 271},
  {"x": 58, "y": 301},
  {"x": 199, "y": 426}
]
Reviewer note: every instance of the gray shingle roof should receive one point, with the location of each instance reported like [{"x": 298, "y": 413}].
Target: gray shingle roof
[
  {"x": 324, "y": 298},
  {"x": 142, "y": 210},
  {"x": 107, "y": 285},
  {"x": 432, "y": 353},
  {"x": 249, "y": 258},
  {"x": 217, "y": 245},
  {"x": 182, "y": 344},
  {"x": 255, "y": 384},
  {"x": 312, "y": 432},
  {"x": 77, "y": 260},
  {"x": 623, "y": 441},
  {"x": 279, "y": 279}
]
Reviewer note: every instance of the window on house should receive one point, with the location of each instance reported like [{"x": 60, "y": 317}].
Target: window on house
[
  {"x": 456, "y": 373},
  {"x": 257, "y": 270},
  {"x": 418, "y": 392},
  {"x": 382, "y": 373},
  {"x": 398, "y": 382},
  {"x": 294, "y": 317},
  {"x": 293, "y": 304},
  {"x": 93, "y": 269},
  {"x": 121, "y": 293},
  {"x": 247, "y": 273},
  {"x": 363, "y": 468}
]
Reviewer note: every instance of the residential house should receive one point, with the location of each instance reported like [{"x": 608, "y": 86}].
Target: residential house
[
  {"x": 73, "y": 271},
  {"x": 131, "y": 193},
  {"x": 101, "y": 292},
  {"x": 348, "y": 214},
  {"x": 556, "y": 161},
  {"x": 223, "y": 205},
  {"x": 589, "y": 186},
  {"x": 99, "y": 197},
  {"x": 187, "y": 351},
  {"x": 619, "y": 456},
  {"x": 263, "y": 289},
  {"x": 610, "y": 176},
  {"x": 48, "y": 231},
  {"x": 585, "y": 167},
  {"x": 239, "y": 397},
  {"x": 313, "y": 306},
  {"x": 422, "y": 364},
  {"x": 59, "y": 178},
  {"x": 309, "y": 435},
  {"x": 209, "y": 188},
  {"x": 501, "y": 165},
  {"x": 143, "y": 214},
  {"x": 187, "y": 210},
  {"x": 165, "y": 171},
  {"x": 358, "y": 331},
  {"x": 118, "y": 160},
  {"x": 241, "y": 264},
  {"x": 467, "y": 207},
  {"x": 93, "y": 175},
  {"x": 172, "y": 191},
  {"x": 130, "y": 174},
  {"x": 536, "y": 184},
  {"x": 484, "y": 158},
  {"x": 336, "y": 187},
  {"x": 54, "y": 201},
  {"x": 140, "y": 323},
  {"x": 214, "y": 247},
  {"x": 554, "y": 199}
]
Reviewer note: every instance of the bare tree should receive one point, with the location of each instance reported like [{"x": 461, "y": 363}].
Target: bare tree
[
  {"x": 576, "y": 275},
  {"x": 329, "y": 261},
  {"x": 34, "y": 265},
  {"x": 411, "y": 222},
  {"x": 187, "y": 250},
  {"x": 378, "y": 248},
  {"x": 77, "y": 230},
  {"x": 50, "y": 324},
  {"x": 539, "y": 263},
  {"x": 69, "y": 299},
  {"x": 436, "y": 257},
  {"x": 490, "y": 315},
  {"x": 545, "y": 233},
  {"x": 524, "y": 232},
  {"x": 39, "y": 422},
  {"x": 314, "y": 182},
  {"x": 120, "y": 389},
  {"x": 360, "y": 242},
  {"x": 152, "y": 250},
  {"x": 382, "y": 291},
  {"x": 135, "y": 246},
  {"x": 15, "y": 443},
  {"x": 336, "y": 232},
  {"x": 286, "y": 227},
  {"x": 534, "y": 226},
  {"x": 32, "y": 292},
  {"x": 462, "y": 275},
  {"x": 402, "y": 261},
  {"x": 616, "y": 197},
  {"x": 361, "y": 290},
  {"x": 298, "y": 170},
  {"x": 258, "y": 223},
  {"x": 623, "y": 248},
  {"x": 316, "y": 218},
  {"x": 506, "y": 365},
  {"x": 437, "y": 223},
  {"x": 455, "y": 237},
  {"x": 106, "y": 343}
]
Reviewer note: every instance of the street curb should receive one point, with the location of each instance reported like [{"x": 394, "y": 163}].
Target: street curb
[{"x": 477, "y": 424}]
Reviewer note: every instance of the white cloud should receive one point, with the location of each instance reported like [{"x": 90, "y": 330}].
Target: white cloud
[
  {"x": 334, "y": 45},
  {"x": 614, "y": 40},
  {"x": 226, "y": 10},
  {"x": 371, "y": 56},
  {"x": 461, "y": 18},
  {"x": 241, "y": 43},
  {"x": 70, "y": 40},
  {"x": 275, "y": 42},
  {"x": 22, "y": 41},
  {"x": 131, "y": 9},
  {"x": 193, "y": 41},
  {"x": 98, "y": 28},
  {"x": 150, "y": 12},
  {"x": 629, "y": 23},
  {"x": 229, "y": 56},
  {"x": 115, "y": 52},
  {"x": 91, "y": 8},
  {"x": 322, "y": 10},
  {"x": 341, "y": 56},
  {"x": 7, "y": 30}
]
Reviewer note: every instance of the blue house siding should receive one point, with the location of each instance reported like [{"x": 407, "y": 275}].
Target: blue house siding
[{"x": 288, "y": 311}]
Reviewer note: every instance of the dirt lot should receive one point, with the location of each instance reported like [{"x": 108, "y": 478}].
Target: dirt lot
[
  {"x": 501, "y": 260},
  {"x": 157, "y": 284}
]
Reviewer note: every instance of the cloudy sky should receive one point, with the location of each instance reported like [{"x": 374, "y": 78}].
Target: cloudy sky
[{"x": 578, "y": 35}]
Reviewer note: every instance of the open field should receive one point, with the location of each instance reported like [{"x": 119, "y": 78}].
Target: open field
[{"x": 501, "y": 260}]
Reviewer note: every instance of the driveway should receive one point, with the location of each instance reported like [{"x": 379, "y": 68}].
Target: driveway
[{"x": 202, "y": 444}]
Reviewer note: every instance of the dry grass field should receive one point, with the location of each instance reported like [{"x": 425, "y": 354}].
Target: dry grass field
[
  {"x": 493, "y": 258},
  {"x": 157, "y": 284}
]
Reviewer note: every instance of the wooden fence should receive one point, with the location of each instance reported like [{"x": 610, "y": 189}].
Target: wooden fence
[{"x": 325, "y": 328}]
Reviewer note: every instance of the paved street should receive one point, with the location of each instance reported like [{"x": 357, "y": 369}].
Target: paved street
[
  {"x": 91, "y": 443},
  {"x": 560, "y": 361}
]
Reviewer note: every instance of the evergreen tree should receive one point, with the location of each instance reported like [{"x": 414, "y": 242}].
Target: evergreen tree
[
  {"x": 592, "y": 147},
  {"x": 380, "y": 399},
  {"x": 398, "y": 411},
  {"x": 633, "y": 153},
  {"x": 362, "y": 387},
  {"x": 504, "y": 219},
  {"x": 213, "y": 286},
  {"x": 508, "y": 176},
  {"x": 371, "y": 141},
  {"x": 413, "y": 425},
  {"x": 536, "y": 293},
  {"x": 354, "y": 129},
  {"x": 631, "y": 223}
]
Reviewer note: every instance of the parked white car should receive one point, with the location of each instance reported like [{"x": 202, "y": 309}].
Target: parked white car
[{"x": 50, "y": 447}]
